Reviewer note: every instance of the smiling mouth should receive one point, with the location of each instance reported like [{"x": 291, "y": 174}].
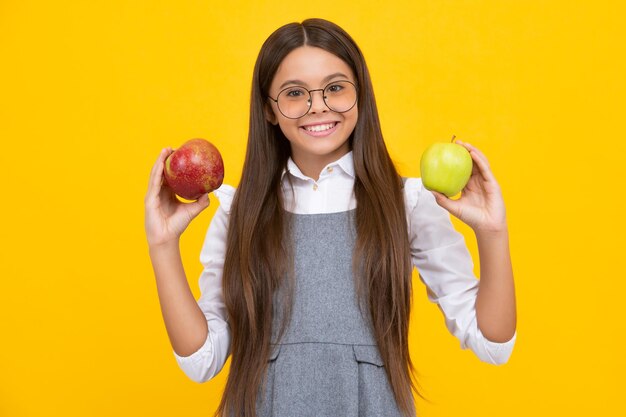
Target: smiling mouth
[{"x": 320, "y": 128}]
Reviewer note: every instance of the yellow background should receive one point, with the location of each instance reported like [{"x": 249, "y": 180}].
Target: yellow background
[{"x": 91, "y": 91}]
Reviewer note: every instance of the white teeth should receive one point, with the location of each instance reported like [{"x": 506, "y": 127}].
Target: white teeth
[{"x": 320, "y": 128}]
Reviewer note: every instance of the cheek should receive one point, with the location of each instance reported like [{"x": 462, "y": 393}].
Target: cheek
[
  {"x": 288, "y": 129},
  {"x": 353, "y": 118}
]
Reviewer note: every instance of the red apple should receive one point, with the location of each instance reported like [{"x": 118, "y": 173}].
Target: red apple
[{"x": 194, "y": 169}]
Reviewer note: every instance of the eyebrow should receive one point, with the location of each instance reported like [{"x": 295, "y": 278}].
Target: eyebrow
[{"x": 326, "y": 79}]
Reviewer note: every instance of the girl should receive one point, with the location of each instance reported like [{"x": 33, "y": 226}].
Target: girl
[{"x": 307, "y": 264}]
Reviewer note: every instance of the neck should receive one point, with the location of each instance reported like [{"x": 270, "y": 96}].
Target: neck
[{"x": 312, "y": 165}]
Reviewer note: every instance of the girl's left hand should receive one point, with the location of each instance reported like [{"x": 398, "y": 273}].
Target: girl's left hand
[{"x": 481, "y": 205}]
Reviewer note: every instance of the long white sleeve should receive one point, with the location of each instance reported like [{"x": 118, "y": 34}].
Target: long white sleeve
[
  {"x": 445, "y": 266},
  {"x": 209, "y": 360},
  {"x": 438, "y": 251}
]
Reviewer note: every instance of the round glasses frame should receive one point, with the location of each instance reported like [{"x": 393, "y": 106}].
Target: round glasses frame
[{"x": 310, "y": 100}]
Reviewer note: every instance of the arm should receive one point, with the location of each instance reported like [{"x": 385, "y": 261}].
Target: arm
[
  {"x": 495, "y": 302},
  {"x": 207, "y": 361},
  {"x": 165, "y": 220},
  {"x": 185, "y": 322},
  {"x": 446, "y": 268},
  {"x": 481, "y": 206}
]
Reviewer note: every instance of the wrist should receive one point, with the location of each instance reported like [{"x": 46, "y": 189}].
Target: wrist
[
  {"x": 164, "y": 246},
  {"x": 492, "y": 233}
]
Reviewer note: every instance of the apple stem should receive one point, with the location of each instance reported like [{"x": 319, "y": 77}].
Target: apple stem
[{"x": 453, "y": 136}]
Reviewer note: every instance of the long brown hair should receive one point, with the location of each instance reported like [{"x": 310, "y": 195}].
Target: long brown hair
[{"x": 257, "y": 258}]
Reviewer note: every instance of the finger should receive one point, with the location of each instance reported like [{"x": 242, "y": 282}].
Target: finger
[
  {"x": 481, "y": 161},
  {"x": 196, "y": 207},
  {"x": 156, "y": 174},
  {"x": 445, "y": 202},
  {"x": 479, "y": 154},
  {"x": 157, "y": 170},
  {"x": 471, "y": 148},
  {"x": 476, "y": 168}
]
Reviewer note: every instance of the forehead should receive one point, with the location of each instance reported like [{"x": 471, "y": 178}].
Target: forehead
[{"x": 310, "y": 65}]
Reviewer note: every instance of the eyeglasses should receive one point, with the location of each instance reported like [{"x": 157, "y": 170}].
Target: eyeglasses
[{"x": 295, "y": 102}]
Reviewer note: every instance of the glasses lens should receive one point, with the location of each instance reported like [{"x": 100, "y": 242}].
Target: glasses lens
[
  {"x": 339, "y": 96},
  {"x": 293, "y": 102}
]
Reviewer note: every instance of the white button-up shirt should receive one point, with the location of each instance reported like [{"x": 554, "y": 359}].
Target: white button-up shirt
[{"x": 438, "y": 252}]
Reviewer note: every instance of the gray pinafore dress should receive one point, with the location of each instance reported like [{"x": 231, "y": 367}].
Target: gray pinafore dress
[{"x": 327, "y": 363}]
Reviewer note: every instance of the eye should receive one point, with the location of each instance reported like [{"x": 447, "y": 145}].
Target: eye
[
  {"x": 334, "y": 88},
  {"x": 294, "y": 92}
]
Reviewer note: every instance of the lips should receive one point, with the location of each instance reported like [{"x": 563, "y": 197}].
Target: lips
[{"x": 320, "y": 129}]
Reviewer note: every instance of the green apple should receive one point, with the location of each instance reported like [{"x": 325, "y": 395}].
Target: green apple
[{"x": 446, "y": 168}]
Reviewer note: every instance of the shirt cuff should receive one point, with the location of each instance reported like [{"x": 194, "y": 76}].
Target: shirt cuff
[
  {"x": 499, "y": 352},
  {"x": 193, "y": 363}
]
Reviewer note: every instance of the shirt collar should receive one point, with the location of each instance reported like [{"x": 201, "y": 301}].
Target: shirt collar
[{"x": 346, "y": 163}]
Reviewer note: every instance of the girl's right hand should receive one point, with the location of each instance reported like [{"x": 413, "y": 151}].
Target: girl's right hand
[{"x": 166, "y": 217}]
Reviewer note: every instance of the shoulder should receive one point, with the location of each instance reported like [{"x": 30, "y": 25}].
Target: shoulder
[{"x": 225, "y": 194}]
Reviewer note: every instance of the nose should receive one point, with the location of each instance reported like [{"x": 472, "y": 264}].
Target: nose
[{"x": 317, "y": 103}]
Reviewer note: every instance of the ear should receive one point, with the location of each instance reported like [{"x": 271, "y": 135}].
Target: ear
[{"x": 270, "y": 116}]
